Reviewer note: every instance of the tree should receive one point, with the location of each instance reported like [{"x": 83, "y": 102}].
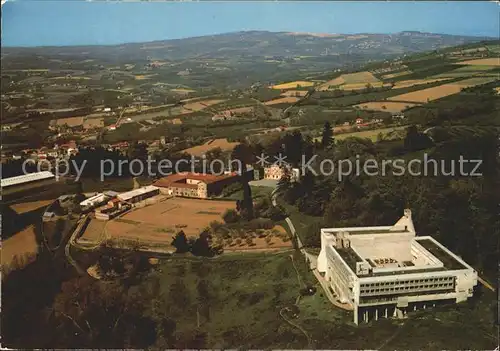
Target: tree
[
  {"x": 244, "y": 154},
  {"x": 93, "y": 314},
  {"x": 415, "y": 140},
  {"x": 327, "y": 135},
  {"x": 230, "y": 216},
  {"x": 294, "y": 146},
  {"x": 137, "y": 151},
  {"x": 201, "y": 246},
  {"x": 246, "y": 205},
  {"x": 180, "y": 242},
  {"x": 284, "y": 183}
]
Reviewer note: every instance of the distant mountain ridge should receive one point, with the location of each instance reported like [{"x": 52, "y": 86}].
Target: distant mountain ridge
[{"x": 263, "y": 43}]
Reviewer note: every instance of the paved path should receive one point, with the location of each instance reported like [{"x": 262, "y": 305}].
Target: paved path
[
  {"x": 295, "y": 325},
  {"x": 485, "y": 283},
  {"x": 71, "y": 240}
]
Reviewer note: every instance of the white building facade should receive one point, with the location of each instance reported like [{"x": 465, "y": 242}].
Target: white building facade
[
  {"x": 388, "y": 271},
  {"x": 277, "y": 172}
]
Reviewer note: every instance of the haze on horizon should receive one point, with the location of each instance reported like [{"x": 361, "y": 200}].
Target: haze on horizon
[{"x": 78, "y": 22}]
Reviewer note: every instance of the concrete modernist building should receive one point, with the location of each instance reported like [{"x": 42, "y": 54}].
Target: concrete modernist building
[
  {"x": 387, "y": 271},
  {"x": 196, "y": 184}
]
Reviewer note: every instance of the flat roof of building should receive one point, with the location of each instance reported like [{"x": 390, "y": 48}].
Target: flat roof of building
[
  {"x": 137, "y": 192},
  {"x": 26, "y": 178},
  {"x": 369, "y": 230},
  {"x": 448, "y": 260},
  {"x": 350, "y": 257},
  {"x": 450, "y": 263},
  {"x": 91, "y": 199}
]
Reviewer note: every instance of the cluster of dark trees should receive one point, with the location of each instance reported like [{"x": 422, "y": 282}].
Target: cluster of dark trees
[{"x": 197, "y": 246}]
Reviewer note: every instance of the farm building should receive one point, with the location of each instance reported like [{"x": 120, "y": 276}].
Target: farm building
[
  {"x": 26, "y": 178},
  {"x": 112, "y": 209},
  {"x": 388, "y": 271},
  {"x": 140, "y": 194},
  {"x": 47, "y": 216},
  {"x": 93, "y": 201},
  {"x": 196, "y": 184},
  {"x": 31, "y": 184},
  {"x": 276, "y": 172}
]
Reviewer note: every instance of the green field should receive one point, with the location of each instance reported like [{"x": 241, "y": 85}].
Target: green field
[
  {"x": 258, "y": 192},
  {"x": 234, "y": 301},
  {"x": 467, "y": 71},
  {"x": 391, "y": 133},
  {"x": 370, "y": 134}
]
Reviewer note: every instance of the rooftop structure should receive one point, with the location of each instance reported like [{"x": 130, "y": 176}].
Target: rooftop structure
[
  {"x": 26, "y": 178},
  {"x": 93, "y": 201},
  {"x": 388, "y": 270},
  {"x": 197, "y": 185},
  {"x": 137, "y": 195}
]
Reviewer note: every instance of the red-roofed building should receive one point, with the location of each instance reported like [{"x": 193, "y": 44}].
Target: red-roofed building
[{"x": 195, "y": 184}]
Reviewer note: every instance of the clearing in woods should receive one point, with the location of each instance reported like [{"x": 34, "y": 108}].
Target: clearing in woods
[
  {"x": 390, "y": 133},
  {"x": 223, "y": 144},
  {"x": 388, "y": 106},
  {"x": 293, "y": 85}
]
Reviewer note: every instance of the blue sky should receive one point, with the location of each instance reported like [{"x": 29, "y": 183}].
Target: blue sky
[{"x": 64, "y": 22}]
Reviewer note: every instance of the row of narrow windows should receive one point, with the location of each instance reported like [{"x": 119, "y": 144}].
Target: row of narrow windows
[
  {"x": 406, "y": 282},
  {"x": 407, "y": 288}
]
